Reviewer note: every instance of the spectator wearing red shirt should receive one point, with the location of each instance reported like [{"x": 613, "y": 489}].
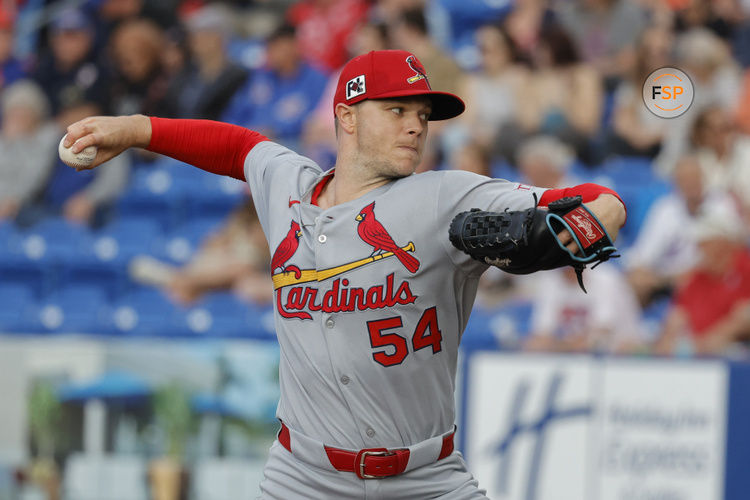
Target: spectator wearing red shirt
[
  {"x": 324, "y": 28},
  {"x": 712, "y": 309}
]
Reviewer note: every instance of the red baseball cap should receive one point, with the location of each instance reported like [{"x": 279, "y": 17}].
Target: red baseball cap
[{"x": 381, "y": 74}]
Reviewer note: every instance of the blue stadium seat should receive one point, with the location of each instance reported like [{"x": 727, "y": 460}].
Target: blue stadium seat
[
  {"x": 211, "y": 195},
  {"x": 144, "y": 312},
  {"x": 127, "y": 237},
  {"x": 503, "y": 326},
  {"x": 153, "y": 193},
  {"x": 109, "y": 277},
  {"x": 247, "y": 52},
  {"x": 222, "y": 315},
  {"x": 10, "y": 240},
  {"x": 179, "y": 245},
  {"x": 17, "y": 302},
  {"x": 630, "y": 170},
  {"x": 34, "y": 256},
  {"x": 103, "y": 262},
  {"x": 205, "y": 320},
  {"x": 7, "y": 229},
  {"x": 231, "y": 316},
  {"x": 174, "y": 192},
  {"x": 503, "y": 170},
  {"x": 74, "y": 309}
]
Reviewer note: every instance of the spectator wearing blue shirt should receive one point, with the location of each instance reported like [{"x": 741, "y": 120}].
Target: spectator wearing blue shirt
[
  {"x": 80, "y": 197},
  {"x": 278, "y": 99}
]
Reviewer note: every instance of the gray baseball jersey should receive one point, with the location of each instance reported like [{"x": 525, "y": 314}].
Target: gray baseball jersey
[{"x": 371, "y": 298}]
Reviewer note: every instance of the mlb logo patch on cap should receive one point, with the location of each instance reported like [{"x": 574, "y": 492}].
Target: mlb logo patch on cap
[{"x": 355, "y": 87}]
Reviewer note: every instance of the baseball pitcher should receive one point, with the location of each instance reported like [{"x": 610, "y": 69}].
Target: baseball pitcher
[{"x": 372, "y": 293}]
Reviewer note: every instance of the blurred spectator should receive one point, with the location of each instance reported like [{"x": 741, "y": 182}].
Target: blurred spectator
[
  {"x": 524, "y": 24},
  {"x": 472, "y": 157},
  {"x": 635, "y": 130},
  {"x": 80, "y": 197},
  {"x": 175, "y": 53},
  {"x": 10, "y": 68},
  {"x": 564, "y": 318},
  {"x": 491, "y": 94},
  {"x": 367, "y": 37},
  {"x": 545, "y": 161},
  {"x": 708, "y": 61},
  {"x": 388, "y": 11},
  {"x": 324, "y": 27},
  {"x": 205, "y": 89},
  {"x": 28, "y": 145},
  {"x": 409, "y": 32},
  {"x": 563, "y": 97},
  {"x": 741, "y": 39},
  {"x": 743, "y": 110},
  {"x": 140, "y": 84},
  {"x": 716, "y": 80},
  {"x": 319, "y": 136},
  {"x": 115, "y": 11},
  {"x": 111, "y": 13},
  {"x": 723, "y": 153},
  {"x": 68, "y": 73},
  {"x": 606, "y": 32},
  {"x": 234, "y": 258},
  {"x": 722, "y": 17},
  {"x": 712, "y": 310},
  {"x": 664, "y": 249},
  {"x": 278, "y": 98}
]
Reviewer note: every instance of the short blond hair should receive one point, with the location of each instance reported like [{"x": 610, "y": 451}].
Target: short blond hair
[{"x": 25, "y": 94}]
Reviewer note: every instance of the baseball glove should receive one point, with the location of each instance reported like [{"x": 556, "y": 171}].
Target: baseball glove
[{"x": 525, "y": 241}]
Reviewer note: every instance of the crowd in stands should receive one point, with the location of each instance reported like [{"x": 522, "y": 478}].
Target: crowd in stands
[{"x": 554, "y": 98}]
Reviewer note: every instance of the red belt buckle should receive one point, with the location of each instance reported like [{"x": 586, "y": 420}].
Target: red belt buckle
[{"x": 359, "y": 462}]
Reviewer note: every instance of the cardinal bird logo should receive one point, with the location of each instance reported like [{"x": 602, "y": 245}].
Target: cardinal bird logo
[
  {"x": 285, "y": 250},
  {"x": 373, "y": 233},
  {"x": 417, "y": 67}
]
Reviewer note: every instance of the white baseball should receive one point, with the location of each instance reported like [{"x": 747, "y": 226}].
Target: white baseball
[{"x": 83, "y": 159}]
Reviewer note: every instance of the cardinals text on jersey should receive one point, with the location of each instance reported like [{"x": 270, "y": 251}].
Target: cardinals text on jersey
[{"x": 301, "y": 300}]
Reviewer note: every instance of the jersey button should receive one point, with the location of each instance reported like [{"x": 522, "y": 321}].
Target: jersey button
[
  {"x": 344, "y": 379},
  {"x": 370, "y": 432},
  {"x": 322, "y": 238},
  {"x": 330, "y": 323}
]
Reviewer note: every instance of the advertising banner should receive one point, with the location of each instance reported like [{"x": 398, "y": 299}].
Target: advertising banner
[
  {"x": 661, "y": 430},
  {"x": 580, "y": 428},
  {"x": 528, "y": 421}
]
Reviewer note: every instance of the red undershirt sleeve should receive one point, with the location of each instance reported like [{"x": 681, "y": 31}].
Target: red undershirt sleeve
[
  {"x": 589, "y": 192},
  {"x": 215, "y": 147}
]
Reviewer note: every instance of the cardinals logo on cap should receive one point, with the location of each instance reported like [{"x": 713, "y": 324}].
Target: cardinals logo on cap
[
  {"x": 421, "y": 73},
  {"x": 355, "y": 87}
]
